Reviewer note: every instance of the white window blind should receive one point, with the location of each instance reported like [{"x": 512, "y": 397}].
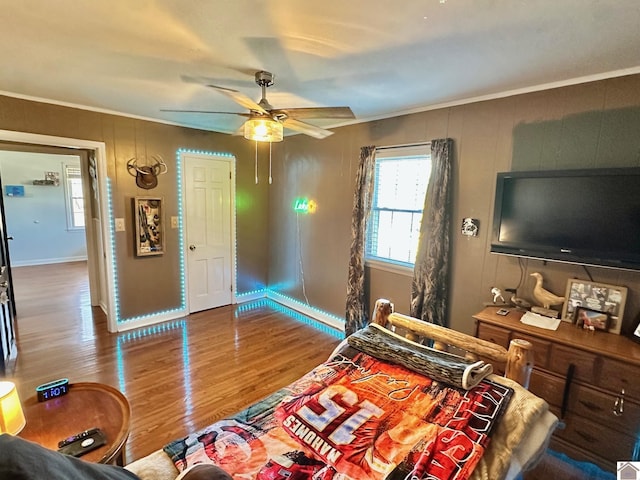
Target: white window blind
[
  {"x": 401, "y": 179},
  {"x": 74, "y": 197}
]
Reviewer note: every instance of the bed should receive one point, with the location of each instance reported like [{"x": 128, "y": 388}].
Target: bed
[{"x": 399, "y": 399}]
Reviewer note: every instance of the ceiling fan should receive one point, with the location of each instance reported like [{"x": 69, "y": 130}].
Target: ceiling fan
[{"x": 266, "y": 123}]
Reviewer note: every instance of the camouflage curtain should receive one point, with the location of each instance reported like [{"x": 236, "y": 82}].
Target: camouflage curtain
[
  {"x": 356, "y": 316},
  {"x": 431, "y": 271}
]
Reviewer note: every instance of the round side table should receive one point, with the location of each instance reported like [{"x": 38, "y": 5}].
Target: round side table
[{"x": 87, "y": 405}]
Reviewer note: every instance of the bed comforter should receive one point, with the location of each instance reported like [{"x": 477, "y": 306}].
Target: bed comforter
[{"x": 356, "y": 417}]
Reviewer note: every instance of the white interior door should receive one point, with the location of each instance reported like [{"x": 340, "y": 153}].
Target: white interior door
[{"x": 209, "y": 232}]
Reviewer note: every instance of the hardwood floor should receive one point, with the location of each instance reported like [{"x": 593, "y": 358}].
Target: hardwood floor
[{"x": 179, "y": 376}]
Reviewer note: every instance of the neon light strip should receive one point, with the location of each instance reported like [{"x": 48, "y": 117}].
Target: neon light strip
[
  {"x": 183, "y": 293},
  {"x": 158, "y": 329},
  {"x": 324, "y": 319},
  {"x": 295, "y": 301},
  {"x": 262, "y": 291},
  {"x": 267, "y": 302},
  {"x": 112, "y": 238}
]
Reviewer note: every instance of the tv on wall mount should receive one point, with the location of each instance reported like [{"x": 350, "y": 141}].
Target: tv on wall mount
[{"x": 589, "y": 217}]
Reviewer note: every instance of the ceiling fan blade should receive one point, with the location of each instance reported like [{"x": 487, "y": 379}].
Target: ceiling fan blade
[
  {"x": 240, "y": 98},
  {"x": 316, "y": 112},
  {"x": 204, "y": 111},
  {"x": 307, "y": 129}
]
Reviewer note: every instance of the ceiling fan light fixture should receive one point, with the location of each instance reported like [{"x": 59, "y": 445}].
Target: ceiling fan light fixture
[{"x": 263, "y": 130}]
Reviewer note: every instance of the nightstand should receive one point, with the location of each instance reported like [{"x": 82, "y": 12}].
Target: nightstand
[{"x": 87, "y": 405}]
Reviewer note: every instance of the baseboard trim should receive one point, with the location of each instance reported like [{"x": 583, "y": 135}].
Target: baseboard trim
[
  {"x": 321, "y": 316},
  {"x": 149, "y": 320},
  {"x": 328, "y": 319},
  {"x": 308, "y": 310}
]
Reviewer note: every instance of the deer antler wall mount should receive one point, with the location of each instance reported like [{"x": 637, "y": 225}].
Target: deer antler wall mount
[{"x": 147, "y": 175}]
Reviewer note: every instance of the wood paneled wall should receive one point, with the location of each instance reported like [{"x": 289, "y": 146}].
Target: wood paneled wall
[
  {"x": 588, "y": 125},
  {"x": 152, "y": 284}
]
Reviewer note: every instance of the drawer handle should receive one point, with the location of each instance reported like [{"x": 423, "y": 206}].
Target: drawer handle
[
  {"x": 591, "y": 405},
  {"x": 618, "y": 405},
  {"x": 586, "y": 436}
]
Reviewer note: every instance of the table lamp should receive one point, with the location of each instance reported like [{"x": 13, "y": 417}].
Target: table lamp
[{"x": 12, "y": 419}]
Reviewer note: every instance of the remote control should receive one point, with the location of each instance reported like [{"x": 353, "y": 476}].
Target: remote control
[
  {"x": 84, "y": 442},
  {"x": 78, "y": 436}
]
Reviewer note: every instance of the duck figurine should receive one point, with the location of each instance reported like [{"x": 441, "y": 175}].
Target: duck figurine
[{"x": 545, "y": 297}]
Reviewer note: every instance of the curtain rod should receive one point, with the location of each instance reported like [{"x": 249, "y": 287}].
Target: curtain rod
[{"x": 405, "y": 145}]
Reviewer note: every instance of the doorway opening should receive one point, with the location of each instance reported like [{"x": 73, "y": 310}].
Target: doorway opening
[{"x": 97, "y": 215}]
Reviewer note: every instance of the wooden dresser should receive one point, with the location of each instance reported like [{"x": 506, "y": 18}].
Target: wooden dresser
[{"x": 590, "y": 379}]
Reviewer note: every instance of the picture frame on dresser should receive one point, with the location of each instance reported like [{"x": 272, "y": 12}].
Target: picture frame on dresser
[
  {"x": 600, "y": 297},
  {"x": 592, "y": 319}
]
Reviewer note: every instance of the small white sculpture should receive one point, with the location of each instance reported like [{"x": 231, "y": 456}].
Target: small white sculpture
[
  {"x": 497, "y": 294},
  {"x": 544, "y": 297}
]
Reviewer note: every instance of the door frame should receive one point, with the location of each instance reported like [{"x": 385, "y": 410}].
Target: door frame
[
  {"x": 96, "y": 279},
  {"x": 231, "y": 160}
]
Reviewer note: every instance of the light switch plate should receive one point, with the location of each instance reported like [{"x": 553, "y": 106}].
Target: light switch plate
[
  {"x": 174, "y": 222},
  {"x": 119, "y": 222}
]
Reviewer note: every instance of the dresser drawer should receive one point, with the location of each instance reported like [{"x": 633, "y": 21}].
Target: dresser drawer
[
  {"x": 494, "y": 334},
  {"x": 598, "y": 406},
  {"x": 616, "y": 376},
  {"x": 593, "y": 437},
  {"x": 584, "y": 363}
]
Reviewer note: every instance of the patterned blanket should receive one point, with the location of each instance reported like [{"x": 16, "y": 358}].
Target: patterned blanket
[{"x": 353, "y": 417}]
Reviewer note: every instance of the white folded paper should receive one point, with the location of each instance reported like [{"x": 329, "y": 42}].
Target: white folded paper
[{"x": 541, "y": 321}]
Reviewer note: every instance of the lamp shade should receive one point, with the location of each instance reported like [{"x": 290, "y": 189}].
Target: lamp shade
[
  {"x": 12, "y": 419},
  {"x": 263, "y": 130}
]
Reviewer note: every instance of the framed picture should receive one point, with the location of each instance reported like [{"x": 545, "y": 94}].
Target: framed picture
[
  {"x": 592, "y": 319},
  {"x": 595, "y": 296},
  {"x": 149, "y": 226}
]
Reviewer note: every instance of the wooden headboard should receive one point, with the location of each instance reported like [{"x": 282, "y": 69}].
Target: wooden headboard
[{"x": 518, "y": 359}]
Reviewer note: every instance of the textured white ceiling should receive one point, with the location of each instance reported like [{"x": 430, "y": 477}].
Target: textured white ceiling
[{"x": 380, "y": 57}]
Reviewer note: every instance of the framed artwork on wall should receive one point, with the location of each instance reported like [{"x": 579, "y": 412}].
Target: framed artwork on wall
[
  {"x": 149, "y": 221},
  {"x": 598, "y": 297}
]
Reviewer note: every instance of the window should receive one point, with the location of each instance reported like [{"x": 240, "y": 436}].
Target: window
[
  {"x": 401, "y": 179},
  {"x": 74, "y": 197}
]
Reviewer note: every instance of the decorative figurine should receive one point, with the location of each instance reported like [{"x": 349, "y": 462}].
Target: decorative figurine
[
  {"x": 544, "y": 297},
  {"x": 497, "y": 294}
]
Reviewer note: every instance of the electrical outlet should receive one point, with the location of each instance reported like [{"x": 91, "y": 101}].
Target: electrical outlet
[
  {"x": 174, "y": 222},
  {"x": 119, "y": 222}
]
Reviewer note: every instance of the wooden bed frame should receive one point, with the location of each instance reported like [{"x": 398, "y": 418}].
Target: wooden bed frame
[{"x": 518, "y": 359}]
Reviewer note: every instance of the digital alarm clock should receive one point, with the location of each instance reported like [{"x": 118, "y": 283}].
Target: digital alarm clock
[{"x": 54, "y": 389}]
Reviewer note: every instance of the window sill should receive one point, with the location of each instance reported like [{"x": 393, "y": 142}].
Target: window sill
[{"x": 389, "y": 267}]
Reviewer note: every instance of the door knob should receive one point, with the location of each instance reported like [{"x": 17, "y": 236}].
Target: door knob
[{"x": 192, "y": 247}]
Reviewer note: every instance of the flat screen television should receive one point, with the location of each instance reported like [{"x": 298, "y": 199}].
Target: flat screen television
[{"x": 589, "y": 217}]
